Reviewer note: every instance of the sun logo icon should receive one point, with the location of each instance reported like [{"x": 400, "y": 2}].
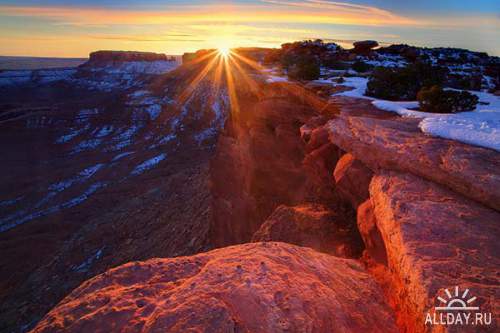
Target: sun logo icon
[{"x": 456, "y": 302}]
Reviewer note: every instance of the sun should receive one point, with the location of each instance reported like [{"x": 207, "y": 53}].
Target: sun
[{"x": 224, "y": 51}]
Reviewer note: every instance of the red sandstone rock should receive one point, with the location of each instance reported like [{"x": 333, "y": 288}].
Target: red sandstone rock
[
  {"x": 352, "y": 179},
  {"x": 436, "y": 240},
  {"x": 307, "y": 129},
  {"x": 318, "y": 137},
  {"x": 399, "y": 145},
  {"x": 311, "y": 225},
  {"x": 259, "y": 164},
  {"x": 259, "y": 287},
  {"x": 367, "y": 225},
  {"x": 257, "y": 169},
  {"x": 317, "y": 166}
]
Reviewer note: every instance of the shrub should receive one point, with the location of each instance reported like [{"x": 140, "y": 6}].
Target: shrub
[
  {"x": 332, "y": 62},
  {"x": 404, "y": 83},
  {"x": 304, "y": 68},
  {"x": 437, "y": 100},
  {"x": 465, "y": 82},
  {"x": 361, "y": 67}
]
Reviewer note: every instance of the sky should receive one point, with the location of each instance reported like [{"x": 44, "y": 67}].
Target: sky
[{"x": 57, "y": 28}]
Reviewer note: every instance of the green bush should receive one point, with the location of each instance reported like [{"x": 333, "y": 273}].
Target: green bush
[
  {"x": 437, "y": 100},
  {"x": 404, "y": 83}
]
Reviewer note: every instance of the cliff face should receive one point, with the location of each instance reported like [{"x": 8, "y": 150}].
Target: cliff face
[{"x": 262, "y": 162}]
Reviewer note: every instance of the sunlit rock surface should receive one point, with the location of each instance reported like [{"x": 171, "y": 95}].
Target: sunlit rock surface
[
  {"x": 259, "y": 287},
  {"x": 397, "y": 144},
  {"x": 314, "y": 226},
  {"x": 436, "y": 240},
  {"x": 352, "y": 179}
]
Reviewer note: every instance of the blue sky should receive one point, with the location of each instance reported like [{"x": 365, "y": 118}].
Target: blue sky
[{"x": 73, "y": 29}]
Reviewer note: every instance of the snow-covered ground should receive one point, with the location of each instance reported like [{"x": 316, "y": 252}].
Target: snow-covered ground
[
  {"x": 148, "y": 164},
  {"x": 275, "y": 78},
  {"x": 139, "y": 67},
  {"x": 480, "y": 127}
]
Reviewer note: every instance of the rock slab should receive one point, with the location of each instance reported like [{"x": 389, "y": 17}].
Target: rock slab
[
  {"x": 257, "y": 287},
  {"x": 436, "y": 240},
  {"x": 398, "y": 145}
]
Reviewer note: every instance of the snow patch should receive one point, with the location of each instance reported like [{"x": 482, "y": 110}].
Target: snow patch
[
  {"x": 153, "y": 111},
  {"x": 85, "y": 266},
  {"x": 477, "y": 128},
  {"x": 148, "y": 164},
  {"x": 82, "y": 176},
  {"x": 274, "y": 78},
  {"x": 104, "y": 131},
  {"x": 359, "y": 85},
  {"x": 480, "y": 127},
  {"x": 22, "y": 217},
  {"x": 121, "y": 155}
]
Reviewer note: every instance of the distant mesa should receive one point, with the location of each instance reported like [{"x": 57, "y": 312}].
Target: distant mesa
[
  {"x": 191, "y": 56},
  {"x": 125, "y": 56}
]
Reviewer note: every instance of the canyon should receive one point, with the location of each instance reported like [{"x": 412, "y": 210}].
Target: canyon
[{"x": 261, "y": 205}]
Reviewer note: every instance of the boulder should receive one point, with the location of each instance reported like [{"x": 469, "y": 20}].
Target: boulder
[
  {"x": 436, "y": 240},
  {"x": 398, "y": 144},
  {"x": 258, "y": 287},
  {"x": 364, "y": 46},
  {"x": 352, "y": 179},
  {"x": 311, "y": 225}
]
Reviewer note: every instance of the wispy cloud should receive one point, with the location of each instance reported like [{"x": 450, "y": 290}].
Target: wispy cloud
[
  {"x": 179, "y": 28},
  {"x": 268, "y": 11},
  {"x": 367, "y": 14}
]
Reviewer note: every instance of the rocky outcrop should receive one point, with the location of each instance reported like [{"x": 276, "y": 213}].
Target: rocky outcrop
[
  {"x": 436, "y": 240},
  {"x": 352, "y": 179},
  {"x": 311, "y": 225},
  {"x": 122, "y": 56},
  {"x": 399, "y": 145},
  {"x": 364, "y": 46},
  {"x": 260, "y": 287}
]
